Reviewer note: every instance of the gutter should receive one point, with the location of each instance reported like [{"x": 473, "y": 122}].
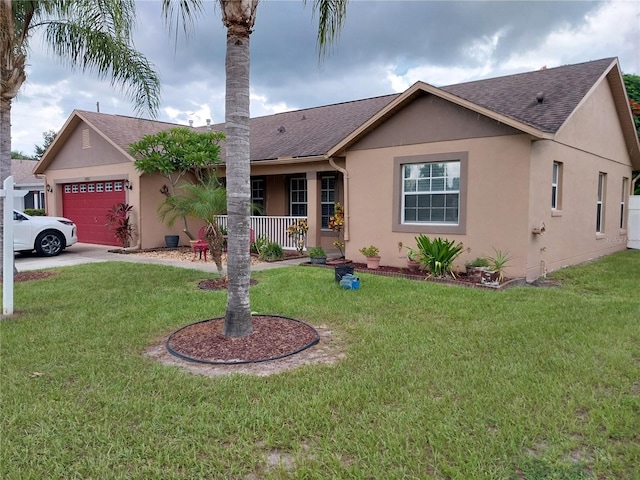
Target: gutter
[{"x": 345, "y": 174}]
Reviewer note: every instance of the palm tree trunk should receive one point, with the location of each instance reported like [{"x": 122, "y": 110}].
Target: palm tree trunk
[{"x": 238, "y": 315}]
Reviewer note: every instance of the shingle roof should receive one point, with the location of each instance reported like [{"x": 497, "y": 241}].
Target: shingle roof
[
  {"x": 22, "y": 171},
  {"x": 515, "y": 95},
  {"x": 124, "y": 130},
  {"x": 314, "y": 131}
]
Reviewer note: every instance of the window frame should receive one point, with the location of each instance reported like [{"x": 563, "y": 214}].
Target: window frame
[
  {"x": 556, "y": 186},
  {"x": 297, "y": 202},
  {"x": 398, "y": 194},
  {"x": 600, "y": 203},
  {"x": 623, "y": 203},
  {"x": 261, "y": 200},
  {"x": 324, "y": 225}
]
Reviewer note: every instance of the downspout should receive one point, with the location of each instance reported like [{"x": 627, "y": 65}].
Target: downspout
[
  {"x": 345, "y": 175},
  {"x": 633, "y": 184}
]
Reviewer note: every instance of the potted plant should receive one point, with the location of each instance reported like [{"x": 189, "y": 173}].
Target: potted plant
[
  {"x": 497, "y": 266},
  {"x": 317, "y": 255},
  {"x": 413, "y": 257},
  {"x": 373, "y": 257},
  {"x": 475, "y": 268}
]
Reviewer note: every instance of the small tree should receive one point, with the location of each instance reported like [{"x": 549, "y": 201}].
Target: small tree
[{"x": 175, "y": 152}]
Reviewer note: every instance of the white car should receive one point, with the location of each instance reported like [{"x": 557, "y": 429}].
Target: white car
[{"x": 48, "y": 236}]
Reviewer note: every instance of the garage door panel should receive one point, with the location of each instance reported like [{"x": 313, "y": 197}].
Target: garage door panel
[{"x": 87, "y": 205}]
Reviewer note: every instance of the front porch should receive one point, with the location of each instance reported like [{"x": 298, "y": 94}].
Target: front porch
[{"x": 273, "y": 227}]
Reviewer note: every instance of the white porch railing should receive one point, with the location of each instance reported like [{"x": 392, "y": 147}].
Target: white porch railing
[{"x": 273, "y": 227}]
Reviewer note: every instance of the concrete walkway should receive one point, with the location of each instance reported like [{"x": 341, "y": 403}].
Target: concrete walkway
[{"x": 88, "y": 253}]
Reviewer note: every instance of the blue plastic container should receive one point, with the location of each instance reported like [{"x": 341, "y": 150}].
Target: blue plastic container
[{"x": 350, "y": 282}]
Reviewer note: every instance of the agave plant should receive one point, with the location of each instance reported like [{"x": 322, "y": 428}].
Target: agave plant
[
  {"x": 437, "y": 255},
  {"x": 498, "y": 263}
]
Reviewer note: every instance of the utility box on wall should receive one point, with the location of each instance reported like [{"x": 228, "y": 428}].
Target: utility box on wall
[{"x": 633, "y": 223}]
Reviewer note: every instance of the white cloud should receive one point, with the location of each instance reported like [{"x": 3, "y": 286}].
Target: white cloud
[
  {"x": 260, "y": 106},
  {"x": 612, "y": 30}
]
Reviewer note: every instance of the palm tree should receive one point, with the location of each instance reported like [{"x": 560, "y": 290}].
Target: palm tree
[
  {"x": 88, "y": 34},
  {"x": 239, "y": 16},
  {"x": 200, "y": 200}
]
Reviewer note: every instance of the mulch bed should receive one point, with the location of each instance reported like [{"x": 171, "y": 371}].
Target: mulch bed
[
  {"x": 221, "y": 283},
  {"x": 387, "y": 271},
  {"x": 273, "y": 337}
]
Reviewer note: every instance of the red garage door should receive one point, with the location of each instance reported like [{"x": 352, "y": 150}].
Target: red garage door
[{"x": 87, "y": 205}]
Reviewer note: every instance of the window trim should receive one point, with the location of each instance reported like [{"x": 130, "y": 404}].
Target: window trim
[
  {"x": 262, "y": 200},
  {"x": 623, "y": 204},
  {"x": 396, "y": 222},
  {"x": 306, "y": 196},
  {"x": 556, "y": 186},
  {"x": 600, "y": 203},
  {"x": 323, "y": 177}
]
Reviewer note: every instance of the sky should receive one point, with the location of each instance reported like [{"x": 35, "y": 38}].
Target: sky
[{"x": 384, "y": 47}]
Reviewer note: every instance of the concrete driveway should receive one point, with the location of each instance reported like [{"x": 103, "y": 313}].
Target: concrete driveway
[
  {"x": 74, "y": 255},
  {"x": 89, "y": 253}
]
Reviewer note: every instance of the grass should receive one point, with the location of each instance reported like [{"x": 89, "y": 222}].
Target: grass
[{"x": 439, "y": 382}]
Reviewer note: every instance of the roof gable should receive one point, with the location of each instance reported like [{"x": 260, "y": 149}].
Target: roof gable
[{"x": 516, "y": 96}]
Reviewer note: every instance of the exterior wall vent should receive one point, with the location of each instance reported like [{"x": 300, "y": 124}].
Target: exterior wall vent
[{"x": 85, "y": 139}]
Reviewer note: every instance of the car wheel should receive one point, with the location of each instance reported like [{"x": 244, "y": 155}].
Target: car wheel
[{"x": 49, "y": 243}]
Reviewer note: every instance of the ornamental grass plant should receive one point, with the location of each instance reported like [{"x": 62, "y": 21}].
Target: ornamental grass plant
[{"x": 437, "y": 382}]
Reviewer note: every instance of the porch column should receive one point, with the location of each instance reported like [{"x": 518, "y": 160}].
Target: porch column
[{"x": 313, "y": 210}]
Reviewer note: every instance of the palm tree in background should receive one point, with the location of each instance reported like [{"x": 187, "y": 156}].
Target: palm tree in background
[
  {"x": 204, "y": 200},
  {"x": 239, "y": 16},
  {"x": 90, "y": 35}
]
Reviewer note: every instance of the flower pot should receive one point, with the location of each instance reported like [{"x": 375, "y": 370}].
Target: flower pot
[
  {"x": 373, "y": 263},
  {"x": 475, "y": 273},
  {"x": 171, "y": 241},
  {"x": 413, "y": 265},
  {"x": 490, "y": 277},
  {"x": 318, "y": 260}
]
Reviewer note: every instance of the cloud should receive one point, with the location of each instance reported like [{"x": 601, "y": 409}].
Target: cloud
[{"x": 385, "y": 47}]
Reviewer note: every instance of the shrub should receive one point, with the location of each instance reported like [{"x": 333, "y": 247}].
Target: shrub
[
  {"x": 271, "y": 251},
  {"x": 438, "y": 255},
  {"x": 478, "y": 262},
  {"x": 34, "y": 212},
  {"x": 119, "y": 223},
  {"x": 317, "y": 252},
  {"x": 370, "y": 251},
  {"x": 258, "y": 245}
]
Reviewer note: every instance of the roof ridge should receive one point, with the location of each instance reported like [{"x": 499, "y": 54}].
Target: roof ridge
[
  {"x": 529, "y": 72},
  {"x": 330, "y": 105}
]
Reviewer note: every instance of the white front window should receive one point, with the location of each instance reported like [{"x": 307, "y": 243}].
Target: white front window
[
  {"x": 298, "y": 197},
  {"x": 327, "y": 199},
  {"x": 431, "y": 193}
]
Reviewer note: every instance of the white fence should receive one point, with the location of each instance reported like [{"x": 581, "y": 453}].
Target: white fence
[{"x": 274, "y": 228}]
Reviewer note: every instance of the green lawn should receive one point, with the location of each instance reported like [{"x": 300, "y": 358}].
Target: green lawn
[{"x": 438, "y": 382}]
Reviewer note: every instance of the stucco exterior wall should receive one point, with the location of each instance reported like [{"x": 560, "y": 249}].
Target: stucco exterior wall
[
  {"x": 496, "y": 205},
  {"x": 590, "y": 142}
]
